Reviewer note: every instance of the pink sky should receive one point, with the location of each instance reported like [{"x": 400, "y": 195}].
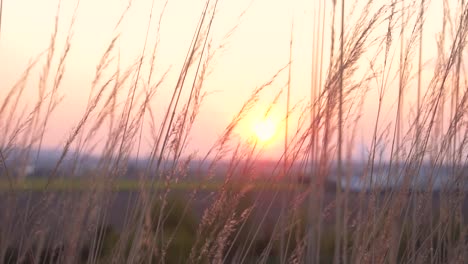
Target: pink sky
[{"x": 259, "y": 47}]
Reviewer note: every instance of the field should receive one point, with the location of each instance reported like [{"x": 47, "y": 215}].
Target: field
[
  {"x": 64, "y": 200},
  {"x": 179, "y": 131}
]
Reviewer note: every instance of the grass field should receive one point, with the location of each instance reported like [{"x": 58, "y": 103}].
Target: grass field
[
  {"x": 385, "y": 99},
  {"x": 31, "y": 184}
]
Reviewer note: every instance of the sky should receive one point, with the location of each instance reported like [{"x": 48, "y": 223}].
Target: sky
[{"x": 259, "y": 47}]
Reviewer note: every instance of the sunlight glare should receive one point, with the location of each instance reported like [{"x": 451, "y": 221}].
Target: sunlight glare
[{"x": 265, "y": 130}]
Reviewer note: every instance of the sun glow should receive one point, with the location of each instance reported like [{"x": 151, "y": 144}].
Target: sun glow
[{"x": 265, "y": 130}]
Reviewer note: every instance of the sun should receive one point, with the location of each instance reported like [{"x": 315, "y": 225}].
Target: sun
[{"x": 265, "y": 130}]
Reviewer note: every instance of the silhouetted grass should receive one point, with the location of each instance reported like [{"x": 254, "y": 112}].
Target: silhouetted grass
[{"x": 303, "y": 210}]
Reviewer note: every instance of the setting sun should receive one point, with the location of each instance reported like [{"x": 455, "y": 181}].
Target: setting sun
[{"x": 265, "y": 130}]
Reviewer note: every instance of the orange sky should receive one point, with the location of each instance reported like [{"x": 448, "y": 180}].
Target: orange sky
[{"x": 259, "y": 47}]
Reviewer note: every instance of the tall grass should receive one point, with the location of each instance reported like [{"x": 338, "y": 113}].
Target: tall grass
[{"x": 411, "y": 206}]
